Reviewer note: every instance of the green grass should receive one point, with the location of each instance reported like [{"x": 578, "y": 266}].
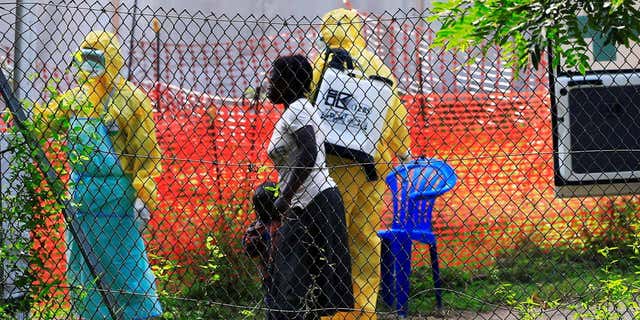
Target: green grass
[{"x": 547, "y": 278}]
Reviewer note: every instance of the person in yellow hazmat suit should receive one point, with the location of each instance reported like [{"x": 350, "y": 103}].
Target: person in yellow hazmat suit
[
  {"x": 114, "y": 157},
  {"x": 341, "y": 28}
]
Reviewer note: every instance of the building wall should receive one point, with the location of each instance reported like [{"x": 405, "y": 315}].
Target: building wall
[{"x": 282, "y": 7}]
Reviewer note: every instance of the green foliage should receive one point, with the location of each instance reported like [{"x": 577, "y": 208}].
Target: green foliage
[
  {"x": 37, "y": 199},
  {"x": 31, "y": 209},
  {"x": 215, "y": 261},
  {"x": 275, "y": 190},
  {"x": 597, "y": 280},
  {"x": 526, "y": 282},
  {"x": 527, "y": 309},
  {"x": 224, "y": 285},
  {"x": 614, "y": 295},
  {"x": 524, "y": 29},
  {"x": 620, "y": 230}
]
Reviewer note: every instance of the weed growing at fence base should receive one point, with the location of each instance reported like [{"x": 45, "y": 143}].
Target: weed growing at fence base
[
  {"x": 559, "y": 275},
  {"x": 591, "y": 281},
  {"x": 221, "y": 283}
]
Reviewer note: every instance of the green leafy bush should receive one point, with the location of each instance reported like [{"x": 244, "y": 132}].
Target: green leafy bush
[{"x": 525, "y": 29}]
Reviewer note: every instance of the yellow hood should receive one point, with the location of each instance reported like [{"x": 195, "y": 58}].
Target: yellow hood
[
  {"x": 107, "y": 42},
  {"x": 342, "y": 28}
]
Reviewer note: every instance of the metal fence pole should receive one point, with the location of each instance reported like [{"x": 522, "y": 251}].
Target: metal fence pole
[
  {"x": 155, "y": 25},
  {"x": 24, "y": 54},
  {"x": 134, "y": 22}
]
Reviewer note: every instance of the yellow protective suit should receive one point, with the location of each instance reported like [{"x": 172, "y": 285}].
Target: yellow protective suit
[
  {"x": 363, "y": 199},
  {"x": 130, "y": 108}
]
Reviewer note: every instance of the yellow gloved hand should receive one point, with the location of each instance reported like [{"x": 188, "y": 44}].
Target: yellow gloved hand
[
  {"x": 143, "y": 214},
  {"x": 146, "y": 188}
]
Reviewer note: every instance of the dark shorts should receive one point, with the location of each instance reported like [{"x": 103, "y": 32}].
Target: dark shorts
[{"x": 310, "y": 270}]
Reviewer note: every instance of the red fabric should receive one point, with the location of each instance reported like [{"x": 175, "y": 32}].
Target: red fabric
[{"x": 500, "y": 146}]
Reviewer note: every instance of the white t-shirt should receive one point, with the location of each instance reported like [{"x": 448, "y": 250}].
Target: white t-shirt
[{"x": 283, "y": 151}]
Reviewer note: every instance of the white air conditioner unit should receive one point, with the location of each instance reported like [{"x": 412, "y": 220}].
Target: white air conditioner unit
[{"x": 596, "y": 122}]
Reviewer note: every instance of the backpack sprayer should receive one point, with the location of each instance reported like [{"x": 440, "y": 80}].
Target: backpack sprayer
[{"x": 353, "y": 109}]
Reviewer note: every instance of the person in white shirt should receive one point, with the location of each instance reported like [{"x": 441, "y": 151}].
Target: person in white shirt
[{"x": 310, "y": 267}]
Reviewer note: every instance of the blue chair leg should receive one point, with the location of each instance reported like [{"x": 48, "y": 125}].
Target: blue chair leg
[
  {"x": 403, "y": 271},
  {"x": 433, "y": 251},
  {"x": 395, "y": 270},
  {"x": 386, "y": 272}
]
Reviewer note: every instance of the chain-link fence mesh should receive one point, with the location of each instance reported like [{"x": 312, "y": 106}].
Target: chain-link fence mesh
[{"x": 168, "y": 121}]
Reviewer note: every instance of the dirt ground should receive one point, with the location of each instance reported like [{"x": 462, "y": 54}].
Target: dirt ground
[{"x": 499, "y": 314}]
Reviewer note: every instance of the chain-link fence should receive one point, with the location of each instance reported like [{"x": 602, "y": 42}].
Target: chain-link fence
[{"x": 164, "y": 133}]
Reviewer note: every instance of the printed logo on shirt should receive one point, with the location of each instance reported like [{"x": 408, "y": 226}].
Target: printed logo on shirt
[{"x": 343, "y": 109}]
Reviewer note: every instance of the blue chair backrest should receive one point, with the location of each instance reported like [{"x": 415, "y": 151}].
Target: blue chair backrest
[{"x": 415, "y": 187}]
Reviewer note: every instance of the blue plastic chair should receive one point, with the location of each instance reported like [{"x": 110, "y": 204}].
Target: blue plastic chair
[{"x": 415, "y": 187}]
